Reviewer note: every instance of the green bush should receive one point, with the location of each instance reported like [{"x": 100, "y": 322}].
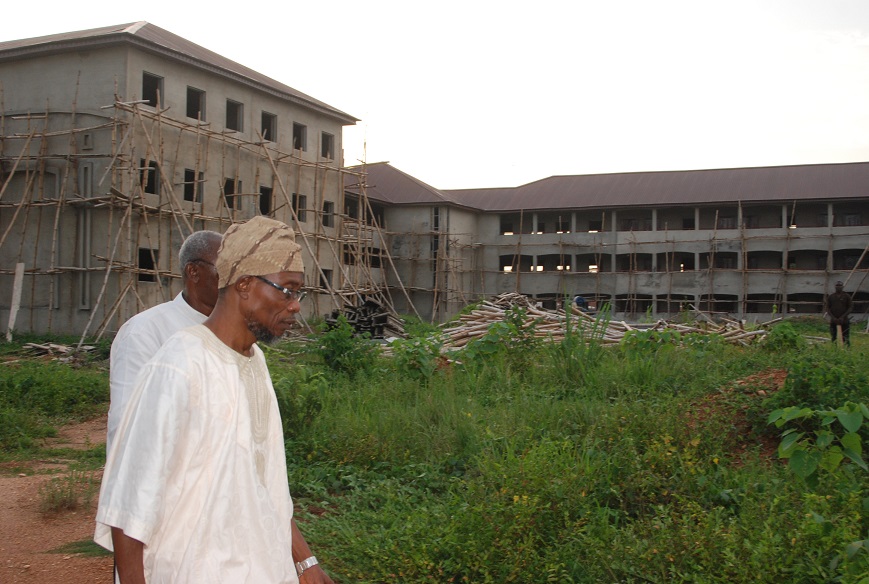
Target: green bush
[
  {"x": 417, "y": 357},
  {"x": 784, "y": 337},
  {"x": 298, "y": 393},
  {"x": 823, "y": 379},
  {"x": 343, "y": 351}
]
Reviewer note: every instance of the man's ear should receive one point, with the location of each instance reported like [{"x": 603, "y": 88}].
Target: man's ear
[
  {"x": 191, "y": 271},
  {"x": 243, "y": 285}
]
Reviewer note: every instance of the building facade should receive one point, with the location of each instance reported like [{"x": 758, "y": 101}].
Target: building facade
[
  {"x": 116, "y": 143},
  {"x": 748, "y": 242}
]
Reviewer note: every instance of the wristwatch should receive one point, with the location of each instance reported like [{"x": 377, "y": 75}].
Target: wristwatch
[{"x": 305, "y": 564}]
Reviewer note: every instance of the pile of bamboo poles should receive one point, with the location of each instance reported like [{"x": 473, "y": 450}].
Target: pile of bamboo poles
[{"x": 552, "y": 324}]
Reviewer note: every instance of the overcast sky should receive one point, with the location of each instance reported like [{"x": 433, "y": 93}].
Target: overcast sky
[{"x": 471, "y": 93}]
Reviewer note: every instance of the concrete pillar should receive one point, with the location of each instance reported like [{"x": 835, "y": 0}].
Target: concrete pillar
[
  {"x": 615, "y": 239},
  {"x": 830, "y": 227}
]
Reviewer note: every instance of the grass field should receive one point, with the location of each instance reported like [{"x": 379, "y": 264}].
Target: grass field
[{"x": 526, "y": 461}]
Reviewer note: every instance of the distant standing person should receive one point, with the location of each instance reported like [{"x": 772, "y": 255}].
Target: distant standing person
[
  {"x": 839, "y": 306},
  {"x": 140, "y": 337}
]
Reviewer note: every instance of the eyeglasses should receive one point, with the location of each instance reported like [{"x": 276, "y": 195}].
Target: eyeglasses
[{"x": 297, "y": 295}]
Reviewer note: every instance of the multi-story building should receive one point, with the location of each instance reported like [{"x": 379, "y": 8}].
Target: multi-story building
[
  {"x": 117, "y": 142},
  {"x": 750, "y": 242}
]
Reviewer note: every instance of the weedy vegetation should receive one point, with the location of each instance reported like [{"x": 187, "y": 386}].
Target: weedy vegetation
[{"x": 663, "y": 459}]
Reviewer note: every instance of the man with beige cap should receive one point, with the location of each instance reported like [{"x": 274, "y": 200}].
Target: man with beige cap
[{"x": 195, "y": 486}]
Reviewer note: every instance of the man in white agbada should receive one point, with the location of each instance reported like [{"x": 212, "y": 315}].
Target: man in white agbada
[
  {"x": 195, "y": 487},
  {"x": 140, "y": 337}
]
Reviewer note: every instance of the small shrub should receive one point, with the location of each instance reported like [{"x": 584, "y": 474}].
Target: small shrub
[
  {"x": 825, "y": 448},
  {"x": 512, "y": 341},
  {"x": 818, "y": 382},
  {"x": 417, "y": 328},
  {"x": 298, "y": 395},
  {"x": 344, "y": 351},
  {"x": 784, "y": 337},
  {"x": 650, "y": 341},
  {"x": 417, "y": 357},
  {"x": 74, "y": 491}
]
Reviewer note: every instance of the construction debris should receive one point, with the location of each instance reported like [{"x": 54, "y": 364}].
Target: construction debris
[
  {"x": 53, "y": 352},
  {"x": 552, "y": 324},
  {"x": 372, "y": 317}
]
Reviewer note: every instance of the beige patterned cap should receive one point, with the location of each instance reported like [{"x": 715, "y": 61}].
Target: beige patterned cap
[{"x": 257, "y": 247}]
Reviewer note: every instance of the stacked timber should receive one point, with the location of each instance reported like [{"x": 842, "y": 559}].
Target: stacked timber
[{"x": 552, "y": 324}]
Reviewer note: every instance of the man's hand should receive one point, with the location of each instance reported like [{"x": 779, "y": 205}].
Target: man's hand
[
  {"x": 315, "y": 575},
  {"x": 128, "y": 557},
  {"x": 301, "y": 551}
]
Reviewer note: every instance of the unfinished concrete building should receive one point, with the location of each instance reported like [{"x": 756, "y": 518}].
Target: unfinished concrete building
[
  {"x": 116, "y": 143},
  {"x": 749, "y": 242}
]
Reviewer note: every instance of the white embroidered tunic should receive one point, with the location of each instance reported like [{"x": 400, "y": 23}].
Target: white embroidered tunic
[
  {"x": 136, "y": 342},
  {"x": 198, "y": 470}
]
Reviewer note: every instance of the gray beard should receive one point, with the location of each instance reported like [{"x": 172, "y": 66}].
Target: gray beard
[{"x": 261, "y": 333}]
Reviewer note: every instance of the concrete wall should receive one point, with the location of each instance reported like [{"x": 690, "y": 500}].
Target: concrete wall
[{"x": 66, "y": 247}]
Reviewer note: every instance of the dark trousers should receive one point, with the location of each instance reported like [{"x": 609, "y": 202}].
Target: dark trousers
[{"x": 846, "y": 332}]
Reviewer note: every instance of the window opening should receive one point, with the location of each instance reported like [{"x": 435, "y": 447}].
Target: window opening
[
  {"x": 229, "y": 193},
  {"x": 351, "y": 208},
  {"x": 300, "y": 137},
  {"x": 265, "y": 200},
  {"x": 327, "y": 147},
  {"x": 328, "y": 214},
  {"x": 192, "y": 185},
  {"x": 326, "y": 279},
  {"x": 148, "y": 264},
  {"x": 300, "y": 204},
  {"x": 152, "y": 88},
  {"x": 148, "y": 176},
  {"x": 269, "y": 127},
  {"x": 195, "y": 103},
  {"x": 234, "y": 115}
]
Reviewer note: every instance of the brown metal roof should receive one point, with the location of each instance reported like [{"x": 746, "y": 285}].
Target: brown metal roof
[
  {"x": 153, "y": 38},
  {"x": 690, "y": 187},
  {"x": 695, "y": 187},
  {"x": 386, "y": 183}
]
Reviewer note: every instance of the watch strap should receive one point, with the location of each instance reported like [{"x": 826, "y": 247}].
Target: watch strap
[{"x": 305, "y": 564}]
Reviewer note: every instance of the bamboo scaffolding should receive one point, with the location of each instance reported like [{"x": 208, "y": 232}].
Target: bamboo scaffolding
[{"x": 137, "y": 220}]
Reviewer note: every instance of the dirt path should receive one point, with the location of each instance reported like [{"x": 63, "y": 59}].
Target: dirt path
[{"x": 28, "y": 537}]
